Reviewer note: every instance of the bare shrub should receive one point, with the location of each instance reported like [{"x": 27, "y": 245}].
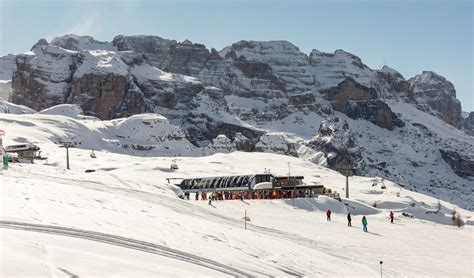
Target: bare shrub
[{"x": 457, "y": 219}]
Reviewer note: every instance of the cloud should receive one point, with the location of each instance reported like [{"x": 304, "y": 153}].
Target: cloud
[{"x": 90, "y": 24}]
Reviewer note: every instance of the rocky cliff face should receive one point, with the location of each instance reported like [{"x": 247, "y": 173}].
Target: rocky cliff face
[
  {"x": 78, "y": 43},
  {"x": 433, "y": 93},
  {"x": 468, "y": 124},
  {"x": 7, "y": 67},
  {"x": 462, "y": 164},
  {"x": 106, "y": 84},
  {"x": 360, "y": 102},
  {"x": 285, "y": 60},
  {"x": 340, "y": 149},
  {"x": 43, "y": 75}
]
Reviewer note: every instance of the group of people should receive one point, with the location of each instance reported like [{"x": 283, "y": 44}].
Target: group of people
[
  {"x": 249, "y": 195},
  {"x": 364, "y": 219}
]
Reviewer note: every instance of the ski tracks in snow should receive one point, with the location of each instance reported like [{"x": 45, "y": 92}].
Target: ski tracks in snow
[{"x": 126, "y": 243}]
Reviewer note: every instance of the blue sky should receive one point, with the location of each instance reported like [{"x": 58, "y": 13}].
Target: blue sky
[{"x": 410, "y": 36}]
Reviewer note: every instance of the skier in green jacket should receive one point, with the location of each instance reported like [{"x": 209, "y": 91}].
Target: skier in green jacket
[{"x": 364, "y": 223}]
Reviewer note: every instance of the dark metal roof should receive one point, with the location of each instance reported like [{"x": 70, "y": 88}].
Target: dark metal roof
[
  {"x": 21, "y": 148},
  {"x": 211, "y": 183}
]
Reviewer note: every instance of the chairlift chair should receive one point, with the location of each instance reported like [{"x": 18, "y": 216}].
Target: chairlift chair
[{"x": 174, "y": 165}]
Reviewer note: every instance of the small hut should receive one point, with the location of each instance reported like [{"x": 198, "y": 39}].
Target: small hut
[{"x": 23, "y": 152}]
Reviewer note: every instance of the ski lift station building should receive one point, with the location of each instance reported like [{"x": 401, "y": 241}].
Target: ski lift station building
[
  {"x": 246, "y": 183},
  {"x": 23, "y": 151}
]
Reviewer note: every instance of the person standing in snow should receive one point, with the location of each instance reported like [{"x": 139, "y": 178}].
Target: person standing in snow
[
  {"x": 349, "y": 219},
  {"x": 197, "y": 196},
  {"x": 364, "y": 223},
  {"x": 328, "y": 214},
  {"x": 210, "y": 201},
  {"x": 391, "y": 217}
]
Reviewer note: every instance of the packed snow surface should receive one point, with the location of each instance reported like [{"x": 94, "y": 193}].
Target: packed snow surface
[{"x": 125, "y": 219}]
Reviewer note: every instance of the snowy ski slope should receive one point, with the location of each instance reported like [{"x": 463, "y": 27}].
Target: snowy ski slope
[{"x": 125, "y": 220}]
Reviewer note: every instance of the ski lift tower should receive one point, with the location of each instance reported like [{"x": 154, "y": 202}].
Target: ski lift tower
[
  {"x": 294, "y": 185},
  {"x": 346, "y": 171},
  {"x": 67, "y": 145}
]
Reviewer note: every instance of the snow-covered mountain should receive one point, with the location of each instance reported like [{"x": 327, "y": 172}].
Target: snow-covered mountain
[{"x": 329, "y": 108}]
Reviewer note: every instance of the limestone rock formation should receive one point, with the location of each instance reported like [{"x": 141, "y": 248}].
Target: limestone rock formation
[
  {"x": 462, "y": 164},
  {"x": 360, "y": 102},
  {"x": 468, "y": 124},
  {"x": 7, "y": 67},
  {"x": 340, "y": 148},
  {"x": 433, "y": 93}
]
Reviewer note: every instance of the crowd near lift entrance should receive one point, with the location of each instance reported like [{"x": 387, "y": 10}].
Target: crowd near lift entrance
[{"x": 258, "y": 186}]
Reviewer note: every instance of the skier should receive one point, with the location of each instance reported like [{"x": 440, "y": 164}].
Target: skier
[
  {"x": 391, "y": 217},
  {"x": 210, "y": 201},
  {"x": 5, "y": 161},
  {"x": 196, "y": 196},
  {"x": 328, "y": 214},
  {"x": 349, "y": 219},
  {"x": 364, "y": 223}
]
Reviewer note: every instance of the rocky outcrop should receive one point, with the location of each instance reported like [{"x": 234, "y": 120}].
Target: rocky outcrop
[
  {"x": 243, "y": 143},
  {"x": 339, "y": 146},
  {"x": 330, "y": 69},
  {"x": 468, "y": 124},
  {"x": 462, "y": 165},
  {"x": 360, "y": 102},
  {"x": 392, "y": 82},
  {"x": 303, "y": 102},
  {"x": 78, "y": 43},
  {"x": 375, "y": 111},
  {"x": 7, "y": 67},
  {"x": 433, "y": 93},
  {"x": 156, "y": 49},
  {"x": 184, "y": 58},
  {"x": 348, "y": 90},
  {"x": 287, "y": 62},
  {"x": 202, "y": 129},
  {"x": 188, "y": 58},
  {"x": 42, "y": 78},
  {"x": 276, "y": 143},
  {"x": 107, "y": 96},
  {"x": 221, "y": 144}
]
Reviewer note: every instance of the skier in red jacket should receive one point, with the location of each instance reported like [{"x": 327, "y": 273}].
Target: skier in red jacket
[
  {"x": 391, "y": 217},
  {"x": 328, "y": 214}
]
